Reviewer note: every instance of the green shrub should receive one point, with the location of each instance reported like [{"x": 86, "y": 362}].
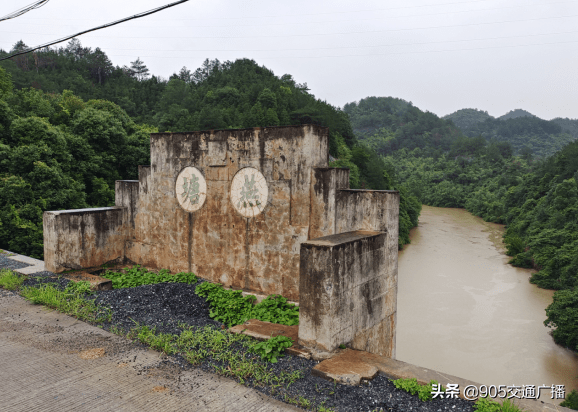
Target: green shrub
[
  {"x": 138, "y": 276},
  {"x": 10, "y": 280},
  {"x": 562, "y": 315},
  {"x": 424, "y": 392},
  {"x": 232, "y": 308},
  {"x": 272, "y": 348},
  {"x": 571, "y": 400}
]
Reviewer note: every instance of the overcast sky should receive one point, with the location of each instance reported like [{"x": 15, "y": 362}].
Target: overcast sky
[{"x": 442, "y": 55}]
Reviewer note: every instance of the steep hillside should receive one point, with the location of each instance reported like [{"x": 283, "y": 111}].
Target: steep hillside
[
  {"x": 466, "y": 118},
  {"x": 513, "y": 114},
  {"x": 387, "y": 124},
  {"x": 568, "y": 125}
]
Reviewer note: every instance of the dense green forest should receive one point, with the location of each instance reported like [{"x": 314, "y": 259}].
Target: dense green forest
[
  {"x": 526, "y": 133},
  {"x": 71, "y": 124},
  {"x": 536, "y": 198}
]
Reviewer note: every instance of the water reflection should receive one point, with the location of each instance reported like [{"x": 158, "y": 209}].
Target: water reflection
[{"x": 463, "y": 310}]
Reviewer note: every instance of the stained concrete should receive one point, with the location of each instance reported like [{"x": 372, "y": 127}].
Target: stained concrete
[
  {"x": 348, "y": 293},
  {"x": 350, "y": 367},
  {"x": 53, "y": 362},
  {"x": 300, "y": 198}
]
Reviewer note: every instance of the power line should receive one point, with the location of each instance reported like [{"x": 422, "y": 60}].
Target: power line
[
  {"x": 293, "y": 23},
  {"x": 136, "y": 16},
  {"x": 340, "y": 12},
  {"x": 375, "y": 54},
  {"x": 25, "y": 9},
  {"x": 324, "y": 34},
  {"x": 350, "y": 47}
]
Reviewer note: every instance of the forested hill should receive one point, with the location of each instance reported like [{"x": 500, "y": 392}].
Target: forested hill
[
  {"x": 527, "y": 133},
  {"x": 71, "y": 124},
  {"x": 387, "y": 124},
  {"x": 217, "y": 95}
]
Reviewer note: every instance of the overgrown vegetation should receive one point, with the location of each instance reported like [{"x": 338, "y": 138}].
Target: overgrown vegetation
[
  {"x": 526, "y": 133},
  {"x": 229, "y": 354},
  {"x": 571, "y": 400},
  {"x": 138, "y": 276},
  {"x": 10, "y": 280},
  {"x": 536, "y": 199},
  {"x": 71, "y": 124},
  {"x": 489, "y": 405},
  {"x": 232, "y": 308},
  {"x": 79, "y": 288},
  {"x": 70, "y": 302},
  {"x": 272, "y": 348},
  {"x": 411, "y": 385}
]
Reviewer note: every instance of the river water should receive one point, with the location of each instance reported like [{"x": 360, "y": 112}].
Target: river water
[{"x": 464, "y": 311}]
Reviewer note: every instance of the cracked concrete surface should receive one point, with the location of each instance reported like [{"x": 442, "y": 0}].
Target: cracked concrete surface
[{"x": 53, "y": 362}]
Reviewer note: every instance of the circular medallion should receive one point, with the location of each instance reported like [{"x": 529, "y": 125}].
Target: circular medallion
[
  {"x": 191, "y": 189},
  {"x": 249, "y": 192}
]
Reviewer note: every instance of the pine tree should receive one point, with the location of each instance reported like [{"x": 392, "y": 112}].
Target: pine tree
[{"x": 139, "y": 69}]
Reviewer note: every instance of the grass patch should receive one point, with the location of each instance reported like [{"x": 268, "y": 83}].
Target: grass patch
[
  {"x": 79, "y": 288},
  {"x": 424, "y": 392},
  {"x": 232, "y": 308},
  {"x": 67, "y": 301},
  {"x": 229, "y": 354},
  {"x": 138, "y": 276},
  {"x": 489, "y": 405},
  {"x": 10, "y": 280}
]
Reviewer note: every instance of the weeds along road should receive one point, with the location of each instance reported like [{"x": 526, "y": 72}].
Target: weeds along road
[{"x": 53, "y": 362}]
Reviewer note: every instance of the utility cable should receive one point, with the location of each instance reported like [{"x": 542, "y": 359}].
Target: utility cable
[
  {"x": 324, "y": 34},
  {"x": 300, "y": 23},
  {"x": 25, "y": 9},
  {"x": 114, "y": 23}
]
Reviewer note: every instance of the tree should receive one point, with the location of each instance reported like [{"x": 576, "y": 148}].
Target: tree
[
  {"x": 185, "y": 75},
  {"x": 139, "y": 70}
]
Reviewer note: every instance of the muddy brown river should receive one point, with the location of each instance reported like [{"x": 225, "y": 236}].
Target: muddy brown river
[{"x": 464, "y": 311}]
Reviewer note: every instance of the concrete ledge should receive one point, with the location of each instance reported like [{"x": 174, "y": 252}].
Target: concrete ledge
[
  {"x": 264, "y": 330},
  {"x": 350, "y": 366},
  {"x": 82, "y": 238},
  {"x": 36, "y": 265}
]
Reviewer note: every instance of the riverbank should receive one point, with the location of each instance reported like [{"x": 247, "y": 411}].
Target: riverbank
[
  {"x": 463, "y": 310},
  {"x": 166, "y": 306}
]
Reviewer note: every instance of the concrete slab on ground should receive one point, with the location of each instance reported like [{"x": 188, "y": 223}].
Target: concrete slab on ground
[
  {"x": 350, "y": 366},
  {"x": 264, "y": 330},
  {"x": 53, "y": 362},
  {"x": 35, "y": 264}
]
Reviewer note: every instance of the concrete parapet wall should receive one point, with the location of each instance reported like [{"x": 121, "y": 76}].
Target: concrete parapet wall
[
  {"x": 259, "y": 253},
  {"x": 348, "y": 293},
  {"x": 126, "y": 195},
  {"x": 76, "y": 239},
  {"x": 325, "y": 185}
]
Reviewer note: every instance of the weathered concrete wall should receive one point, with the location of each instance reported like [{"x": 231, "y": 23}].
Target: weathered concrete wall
[
  {"x": 325, "y": 186},
  {"x": 258, "y": 254},
  {"x": 371, "y": 210},
  {"x": 126, "y": 195},
  {"x": 76, "y": 239},
  {"x": 348, "y": 293},
  {"x": 302, "y": 199}
]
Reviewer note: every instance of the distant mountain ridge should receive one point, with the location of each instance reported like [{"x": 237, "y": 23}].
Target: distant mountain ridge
[{"x": 525, "y": 131}]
